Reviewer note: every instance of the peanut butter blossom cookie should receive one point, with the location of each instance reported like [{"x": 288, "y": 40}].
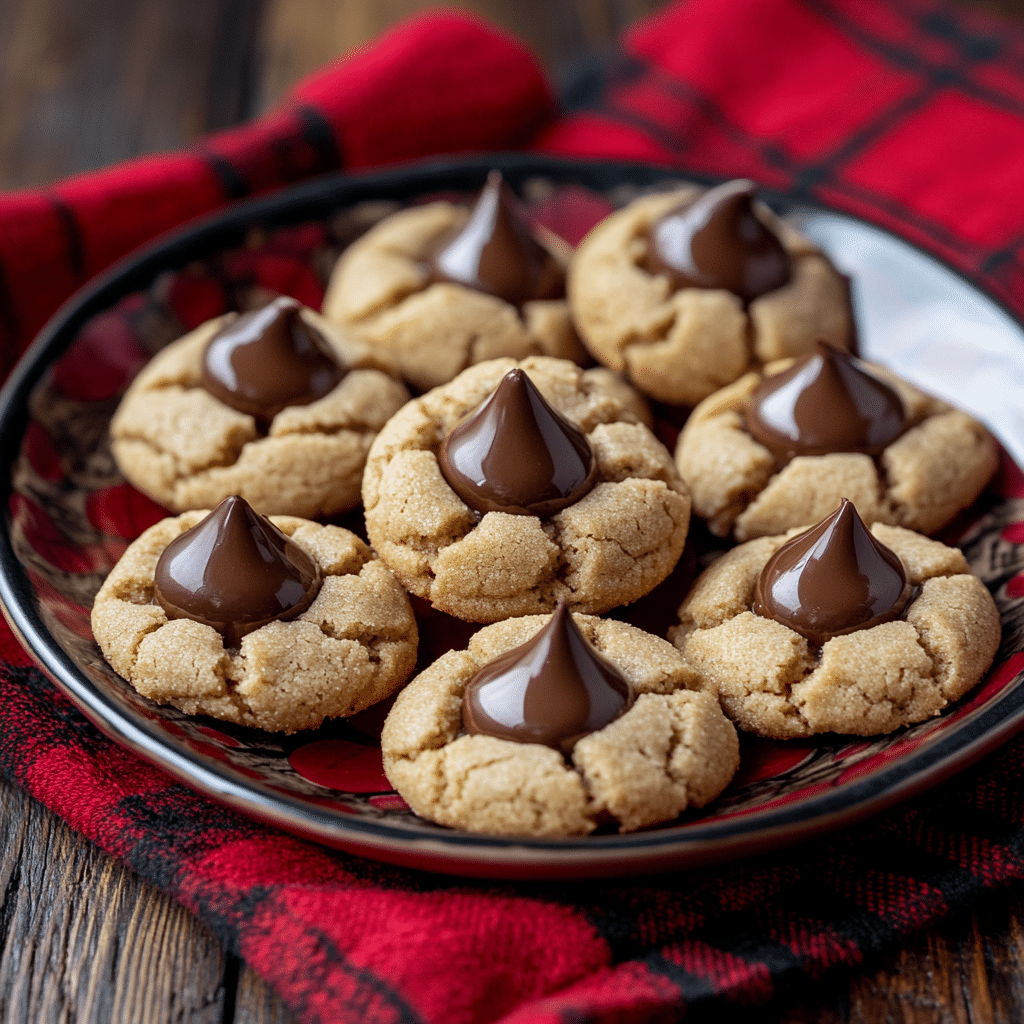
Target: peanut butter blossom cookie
[
  {"x": 519, "y": 485},
  {"x": 275, "y": 405},
  {"x": 837, "y": 628},
  {"x": 441, "y": 287},
  {"x": 686, "y": 291},
  {"x": 780, "y": 447},
  {"x": 274, "y": 623},
  {"x": 551, "y": 725}
]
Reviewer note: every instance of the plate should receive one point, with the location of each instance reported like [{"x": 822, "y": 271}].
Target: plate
[{"x": 69, "y": 516}]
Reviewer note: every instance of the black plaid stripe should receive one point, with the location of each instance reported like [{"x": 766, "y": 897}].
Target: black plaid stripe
[
  {"x": 74, "y": 248},
  {"x": 911, "y": 859},
  {"x": 311, "y": 130},
  {"x": 318, "y": 134},
  {"x": 615, "y": 92},
  {"x": 622, "y": 72},
  {"x": 232, "y": 182}
]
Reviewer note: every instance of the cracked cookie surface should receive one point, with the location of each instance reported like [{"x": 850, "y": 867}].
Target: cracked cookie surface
[
  {"x": 177, "y": 443},
  {"x": 354, "y": 645},
  {"x": 680, "y": 346},
  {"x": 773, "y": 682},
  {"x": 609, "y": 548},
  {"x": 379, "y": 289},
  {"x": 671, "y": 750},
  {"x": 932, "y": 471}
]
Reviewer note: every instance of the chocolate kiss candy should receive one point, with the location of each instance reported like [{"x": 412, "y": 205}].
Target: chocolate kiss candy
[
  {"x": 719, "y": 242},
  {"x": 833, "y": 579},
  {"x": 234, "y": 571},
  {"x": 554, "y": 689},
  {"x": 496, "y": 253},
  {"x": 517, "y": 454},
  {"x": 270, "y": 358},
  {"x": 824, "y": 403}
]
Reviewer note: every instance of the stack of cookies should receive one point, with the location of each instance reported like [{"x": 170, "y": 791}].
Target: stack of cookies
[{"x": 449, "y": 386}]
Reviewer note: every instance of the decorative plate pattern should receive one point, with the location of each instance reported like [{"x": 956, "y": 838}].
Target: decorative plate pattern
[{"x": 70, "y": 515}]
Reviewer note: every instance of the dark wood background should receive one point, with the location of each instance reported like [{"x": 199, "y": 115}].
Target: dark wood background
[{"x": 87, "y": 83}]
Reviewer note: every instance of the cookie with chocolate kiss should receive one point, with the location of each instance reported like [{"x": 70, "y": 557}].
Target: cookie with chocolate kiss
[
  {"x": 518, "y": 485},
  {"x": 781, "y": 446},
  {"x": 276, "y": 623},
  {"x": 444, "y": 286},
  {"x": 838, "y": 628},
  {"x": 551, "y": 725},
  {"x": 686, "y": 291},
  {"x": 275, "y": 405}
]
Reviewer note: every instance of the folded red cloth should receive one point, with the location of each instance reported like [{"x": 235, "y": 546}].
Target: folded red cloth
[
  {"x": 907, "y": 112},
  {"x": 403, "y": 98}
]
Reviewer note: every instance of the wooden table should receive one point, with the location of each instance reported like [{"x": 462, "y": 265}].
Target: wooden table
[{"x": 84, "y": 83}]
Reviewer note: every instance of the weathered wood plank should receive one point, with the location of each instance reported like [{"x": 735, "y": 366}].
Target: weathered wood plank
[
  {"x": 85, "y": 83},
  {"x": 84, "y": 939},
  {"x": 256, "y": 1002}
]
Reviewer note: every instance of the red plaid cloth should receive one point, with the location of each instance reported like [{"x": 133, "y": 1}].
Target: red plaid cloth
[{"x": 910, "y": 113}]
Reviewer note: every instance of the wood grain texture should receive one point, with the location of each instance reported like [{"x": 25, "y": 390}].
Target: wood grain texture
[
  {"x": 85, "y": 940},
  {"x": 85, "y": 83},
  {"x": 257, "y": 1003}
]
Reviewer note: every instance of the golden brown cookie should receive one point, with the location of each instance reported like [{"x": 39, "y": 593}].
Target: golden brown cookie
[
  {"x": 775, "y": 682},
  {"x": 353, "y": 646},
  {"x": 187, "y": 449},
  {"x": 381, "y": 289},
  {"x": 671, "y": 750},
  {"x": 935, "y": 468},
  {"x": 612, "y": 546},
  {"x": 679, "y": 345}
]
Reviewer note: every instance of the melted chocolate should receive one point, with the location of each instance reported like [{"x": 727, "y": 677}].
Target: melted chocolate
[
  {"x": 554, "y": 689},
  {"x": 496, "y": 253},
  {"x": 517, "y": 454},
  {"x": 718, "y": 241},
  {"x": 824, "y": 403},
  {"x": 234, "y": 571},
  {"x": 268, "y": 359},
  {"x": 833, "y": 579}
]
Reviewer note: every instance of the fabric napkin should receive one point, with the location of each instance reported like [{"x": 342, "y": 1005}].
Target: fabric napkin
[
  {"x": 908, "y": 112},
  {"x": 404, "y": 97}
]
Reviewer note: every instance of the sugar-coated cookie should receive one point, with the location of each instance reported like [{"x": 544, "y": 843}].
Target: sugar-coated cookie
[
  {"x": 499, "y": 292},
  {"x": 609, "y": 547},
  {"x": 184, "y": 446},
  {"x": 925, "y": 461},
  {"x": 670, "y": 750},
  {"x": 862, "y": 653},
  {"x": 678, "y": 336},
  {"x": 353, "y": 644}
]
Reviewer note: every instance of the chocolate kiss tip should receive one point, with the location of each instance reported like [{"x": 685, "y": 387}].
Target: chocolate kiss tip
[
  {"x": 832, "y": 579},
  {"x": 234, "y": 571},
  {"x": 554, "y": 689},
  {"x": 517, "y": 454},
  {"x": 268, "y": 359},
  {"x": 718, "y": 241},
  {"x": 824, "y": 403},
  {"x": 495, "y": 252}
]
